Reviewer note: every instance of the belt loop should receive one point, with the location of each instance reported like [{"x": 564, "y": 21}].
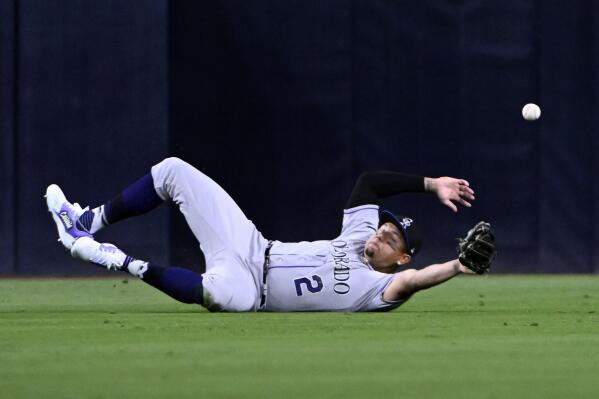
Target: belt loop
[{"x": 264, "y": 273}]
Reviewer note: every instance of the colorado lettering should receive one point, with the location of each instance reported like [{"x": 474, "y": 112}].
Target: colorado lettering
[{"x": 341, "y": 270}]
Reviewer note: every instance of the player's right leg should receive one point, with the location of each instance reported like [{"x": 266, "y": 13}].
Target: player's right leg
[
  {"x": 213, "y": 216},
  {"x": 66, "y": 216},
  {"x": 231, "y": 242},
  {"x": 136, "y": 199}
]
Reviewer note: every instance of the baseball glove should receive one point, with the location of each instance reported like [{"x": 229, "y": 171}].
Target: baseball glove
[{"x": 477, "y": 250}]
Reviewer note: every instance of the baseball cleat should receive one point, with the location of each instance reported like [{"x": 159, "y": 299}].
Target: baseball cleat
[
  {"x": 65, "y": 216},
  {"x": 102, "y": 254}
]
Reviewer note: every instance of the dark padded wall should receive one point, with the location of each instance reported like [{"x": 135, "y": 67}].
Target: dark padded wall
[
  {"x": 261, "y": 102},
  {"x": 7, "y": 137},
  {"x": 567, "y": 141},
  {"x": 285, "y": 103},
  {"x": 91, "y": 115}
]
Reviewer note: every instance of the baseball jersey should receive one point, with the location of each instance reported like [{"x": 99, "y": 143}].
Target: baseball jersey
[{"x": 329, "y": 275}]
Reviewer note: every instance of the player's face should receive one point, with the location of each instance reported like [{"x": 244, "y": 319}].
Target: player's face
[{"x": 386, "y": 249}]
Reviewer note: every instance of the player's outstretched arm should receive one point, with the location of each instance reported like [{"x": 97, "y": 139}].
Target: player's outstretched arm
[
  {"x": 410, "y": 281},
  {"x": 372, "y": 187},
  {"x": 476, "y": 251}
]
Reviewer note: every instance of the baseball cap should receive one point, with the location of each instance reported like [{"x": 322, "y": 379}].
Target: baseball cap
[{"x": 407, "y": 227}]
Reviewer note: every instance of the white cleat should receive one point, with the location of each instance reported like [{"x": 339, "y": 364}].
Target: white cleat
[
  {"x": 107, "y": 255},
  {"x": 65, "y": 216}
]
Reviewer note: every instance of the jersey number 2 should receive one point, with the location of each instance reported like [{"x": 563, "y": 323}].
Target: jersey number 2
[{"x": 299, "y": 281}]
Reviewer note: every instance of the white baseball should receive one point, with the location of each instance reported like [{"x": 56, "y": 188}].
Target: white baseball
[{"x": 531, "y": 112}]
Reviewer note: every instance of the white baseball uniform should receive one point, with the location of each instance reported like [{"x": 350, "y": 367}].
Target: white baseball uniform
[
  {"x": 304, "y": 276},
  {"x": 329, "y": 275}
]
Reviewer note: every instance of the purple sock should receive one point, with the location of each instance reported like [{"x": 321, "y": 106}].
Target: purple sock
[
  {"x": 178, "y": 283},
  {"x": 137, "y": 199}
]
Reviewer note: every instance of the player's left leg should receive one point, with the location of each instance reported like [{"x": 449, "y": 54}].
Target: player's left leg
[
  {"x": 227, "y": 286},
  {"x": 179, "y": 283}
]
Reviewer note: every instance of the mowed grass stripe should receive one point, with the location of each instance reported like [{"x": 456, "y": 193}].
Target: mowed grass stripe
[{"x": 474, "y": 337}]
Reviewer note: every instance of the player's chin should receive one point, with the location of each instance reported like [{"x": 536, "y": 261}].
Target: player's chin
[{"x": 370, "y": 250}]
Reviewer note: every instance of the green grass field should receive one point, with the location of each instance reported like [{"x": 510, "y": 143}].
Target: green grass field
[{"x": 473, "y": 337}]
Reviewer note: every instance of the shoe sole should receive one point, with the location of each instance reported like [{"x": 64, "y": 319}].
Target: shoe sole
[{"x": 55, "y": 198}]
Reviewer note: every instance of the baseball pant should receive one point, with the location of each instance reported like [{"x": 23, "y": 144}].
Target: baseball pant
[{"x": 232, "y": 245}]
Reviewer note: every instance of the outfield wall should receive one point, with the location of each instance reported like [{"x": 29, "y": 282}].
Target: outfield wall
[
  {"x": 285, "y": 103},
  {"x": 89, "y": 112}
]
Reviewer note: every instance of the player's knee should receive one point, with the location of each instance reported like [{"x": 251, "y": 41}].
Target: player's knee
[
  {"x": 217, "y": 299},
  {"x": 223, "y": 301},
  {"x": 174, "y": 163},
  {"x": 166, "y": 175},
  {"x": 173, "y": 168},
  {"x": 220, "y": 295}
]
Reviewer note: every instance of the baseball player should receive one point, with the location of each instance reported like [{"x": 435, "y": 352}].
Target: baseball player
[{"x": 360, "y": 270}]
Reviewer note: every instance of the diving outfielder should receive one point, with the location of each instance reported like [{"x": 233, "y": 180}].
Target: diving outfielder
[{"x": 360, "y": 270}]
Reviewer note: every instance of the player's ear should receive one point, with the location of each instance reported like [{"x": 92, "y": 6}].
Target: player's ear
[{"x": 404, "y": 259}]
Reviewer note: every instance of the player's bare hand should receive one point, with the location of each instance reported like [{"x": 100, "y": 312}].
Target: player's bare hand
[{"x": 450, "y": 191}]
